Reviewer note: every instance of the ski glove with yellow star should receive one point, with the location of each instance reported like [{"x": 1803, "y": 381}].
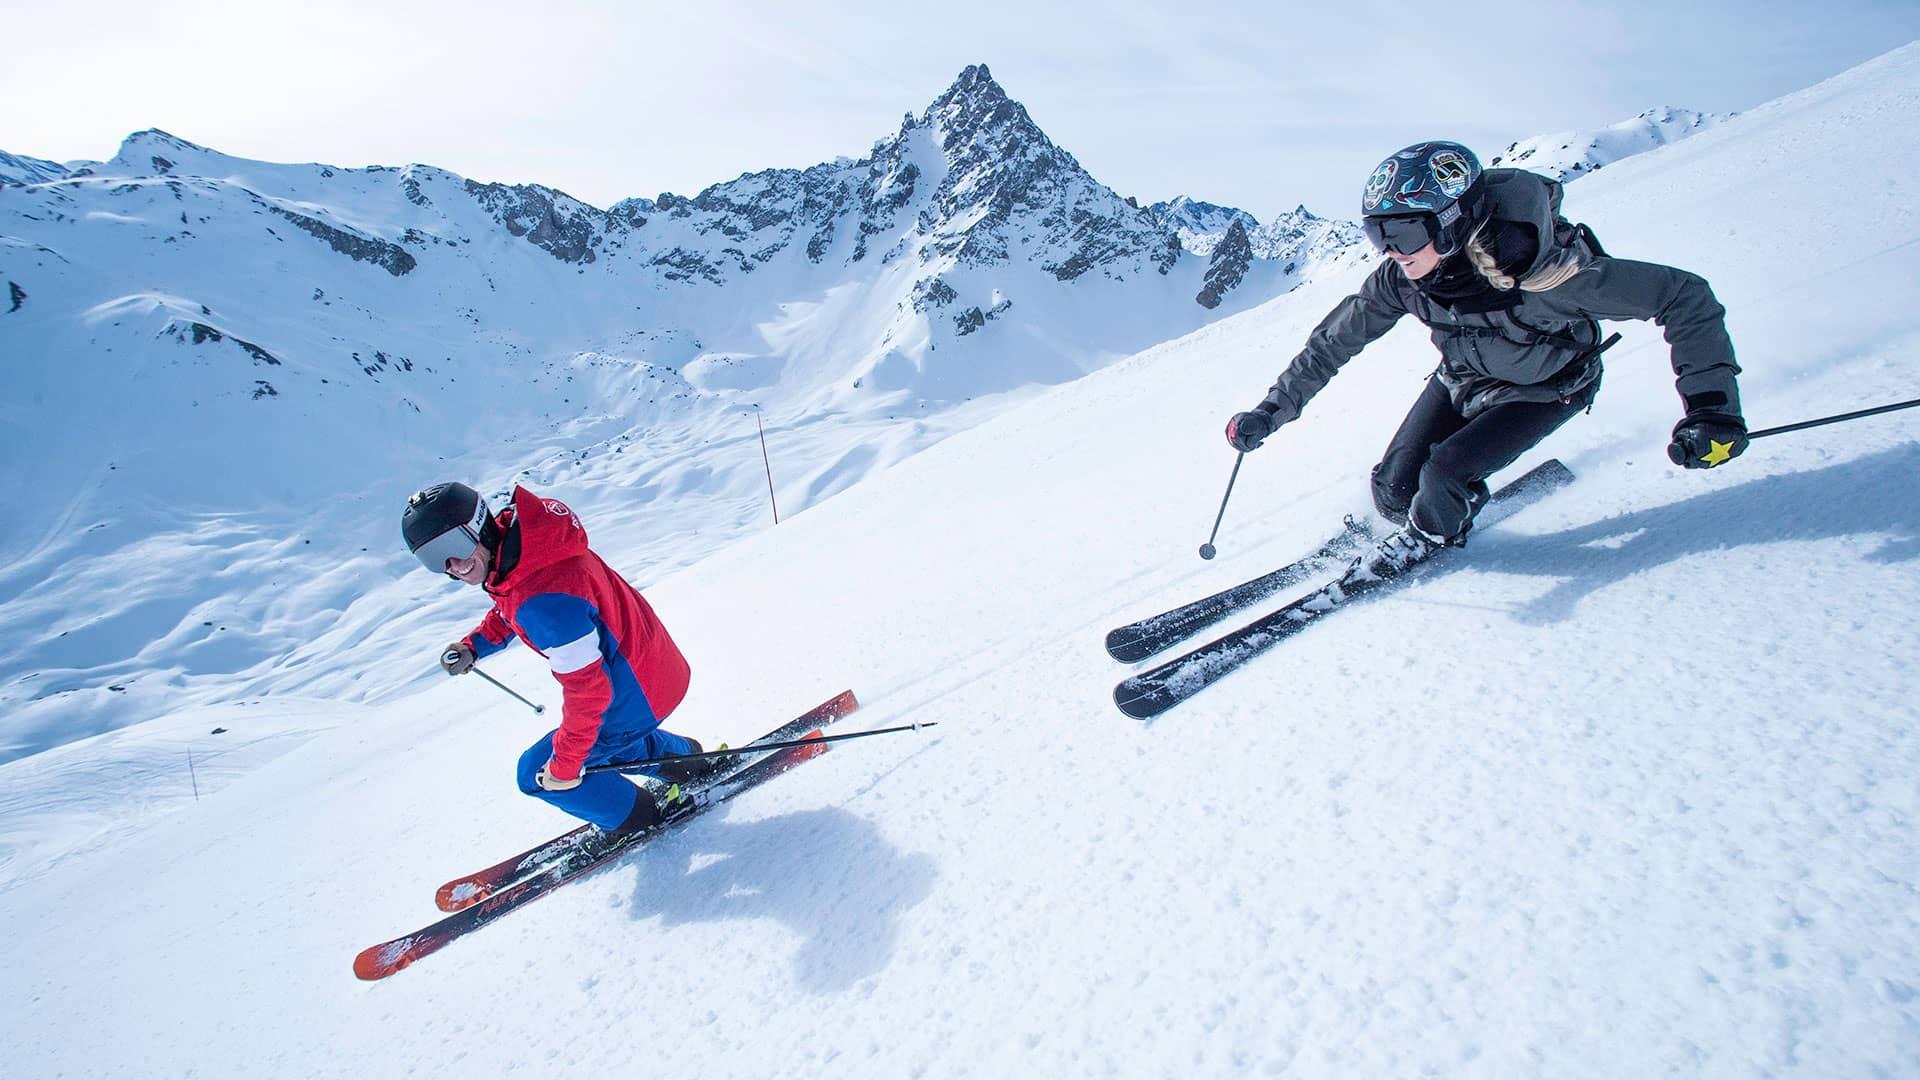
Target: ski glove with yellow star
[{"x": 1705, "y": 439}]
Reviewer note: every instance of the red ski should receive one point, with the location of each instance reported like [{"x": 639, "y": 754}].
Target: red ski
[
  {"x": 464, "y": 892},
  {"x": 570, "y": 861},
  {"x": 384, "y": 959}
]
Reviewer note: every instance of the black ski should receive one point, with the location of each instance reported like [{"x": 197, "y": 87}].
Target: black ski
[
  {"x": 1152, "y": 692},
  {"x": 1139, "y": 640}
]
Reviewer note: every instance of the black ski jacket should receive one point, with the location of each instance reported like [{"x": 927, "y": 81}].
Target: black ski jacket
[{"x": 1541, "y": 346}]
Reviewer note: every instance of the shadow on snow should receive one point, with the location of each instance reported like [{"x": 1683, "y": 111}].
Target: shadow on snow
[
  {"x": 828, "y": 875},
  {"x": 1877, "y": 494}
]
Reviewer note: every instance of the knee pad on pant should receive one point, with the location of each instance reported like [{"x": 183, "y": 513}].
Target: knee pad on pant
[{"x": 1391, "y": 502}]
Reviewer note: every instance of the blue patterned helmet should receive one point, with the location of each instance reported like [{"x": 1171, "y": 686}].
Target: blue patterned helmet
[{"x": 1430, "y": 189}]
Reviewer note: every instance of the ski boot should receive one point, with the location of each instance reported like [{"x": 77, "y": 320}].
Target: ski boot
[
  {"x": 693, "y": 772},
  {"x": 645, "y": 816},
  {"x": 1394, "y": 555}
]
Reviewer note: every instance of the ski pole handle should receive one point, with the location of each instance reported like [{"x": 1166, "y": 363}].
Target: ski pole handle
[
  {"x": 754, "y": 748},
  {"x": 1206, "y": 549},
  {"x": 451, "y": 655}
]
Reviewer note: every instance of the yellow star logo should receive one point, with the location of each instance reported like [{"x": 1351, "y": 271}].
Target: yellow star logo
[{"x": 1719, "y": 453}]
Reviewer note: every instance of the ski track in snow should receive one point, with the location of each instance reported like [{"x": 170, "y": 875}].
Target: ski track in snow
[{"x": 1627, "y": 791}]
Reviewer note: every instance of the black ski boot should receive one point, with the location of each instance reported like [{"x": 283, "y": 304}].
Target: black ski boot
[
  {"x": 1395, "y": 555},
  {"x": 691, "y": 771},
  {"x": 645, "y": 815}
]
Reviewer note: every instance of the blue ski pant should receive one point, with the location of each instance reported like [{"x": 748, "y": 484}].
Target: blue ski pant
[{"x": 605, "y": 799}]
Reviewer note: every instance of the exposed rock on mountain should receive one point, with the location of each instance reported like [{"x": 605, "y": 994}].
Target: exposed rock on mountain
[
  {"x": 1301, "y": 237},
  {"x": 1229, "y": 266},
  {"x": 1199, "y": 225},
  {"x": 552, "y": 221},
  {"x": 389, "y": 257}
]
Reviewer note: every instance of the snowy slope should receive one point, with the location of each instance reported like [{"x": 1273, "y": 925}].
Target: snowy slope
[{"x": 1626, "y": 793}]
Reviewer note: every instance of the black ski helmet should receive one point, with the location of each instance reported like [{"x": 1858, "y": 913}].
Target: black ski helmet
[
  {"x": 1432, "y": 189},
  {"x": 444, "y": 522}
]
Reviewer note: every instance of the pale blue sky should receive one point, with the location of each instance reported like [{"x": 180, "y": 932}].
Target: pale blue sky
[{"x": 1258, "y": 105}]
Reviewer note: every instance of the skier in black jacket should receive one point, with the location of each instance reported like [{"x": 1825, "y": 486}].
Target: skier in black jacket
[{"x": 1511, "y": 292}]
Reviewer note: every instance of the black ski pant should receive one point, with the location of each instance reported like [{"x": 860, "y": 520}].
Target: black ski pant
[{"x": 1435, "y": 469}]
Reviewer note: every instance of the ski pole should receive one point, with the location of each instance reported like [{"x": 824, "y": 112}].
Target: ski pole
[
  {"x": 1784, "y": 428},
  {"x": 753, "y": 748},
  {"x": 452, "y": 656},
  {"x": 1206, "y": 549}
]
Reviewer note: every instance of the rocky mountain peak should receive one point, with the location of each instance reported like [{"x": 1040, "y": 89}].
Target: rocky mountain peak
[
  {"x": 975, "y": 112},
  {"x": 976, "y": 87},
  {"x": 1006, "y": 183},
  {"x": 1199, "y": 225}
]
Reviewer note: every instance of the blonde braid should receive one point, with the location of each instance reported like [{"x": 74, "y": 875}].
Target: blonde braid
[
  {"x": 1483, "y": 260},
  {"x": 1555, "y": 274}
]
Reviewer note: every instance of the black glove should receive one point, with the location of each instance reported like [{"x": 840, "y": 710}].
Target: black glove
[
  {"x": 1705, "y": 439},
  {"x": 1247, "y": 430},
  {"x": 457, "y": 658}
]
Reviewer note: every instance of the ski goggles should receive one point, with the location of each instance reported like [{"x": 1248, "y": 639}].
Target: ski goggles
[
  {"x": 1404, "y": 235},
  {"x": 456, "y": 543}
]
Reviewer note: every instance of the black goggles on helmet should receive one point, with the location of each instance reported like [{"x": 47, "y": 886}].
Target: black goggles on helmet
[{"x": 1402, "y": 235}]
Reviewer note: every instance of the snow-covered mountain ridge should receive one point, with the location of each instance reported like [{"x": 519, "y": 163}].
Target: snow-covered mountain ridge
[
  {"x": 363, "y": 331},
  {"x": 1568, "y": 155}
]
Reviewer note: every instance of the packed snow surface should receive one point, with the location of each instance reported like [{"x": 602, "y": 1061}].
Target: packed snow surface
[{"x": 1626, "y": 790}]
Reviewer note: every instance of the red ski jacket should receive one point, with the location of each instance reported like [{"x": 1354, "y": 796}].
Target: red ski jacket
[{"x": 618, "y": 669}]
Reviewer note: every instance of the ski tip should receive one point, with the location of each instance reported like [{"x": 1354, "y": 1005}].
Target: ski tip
[
  {"x": 836, "y": 707},
  {"x": 1141, "y": 704},
  {"x": 804, "y": 753},
  {"x": 1552, "y": 470},
  {"x": 381, "y": 961},
  {"x": 1124, "y": 646}
]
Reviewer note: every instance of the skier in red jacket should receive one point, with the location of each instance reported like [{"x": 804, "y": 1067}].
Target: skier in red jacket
[{"x": 619, "y": 672}]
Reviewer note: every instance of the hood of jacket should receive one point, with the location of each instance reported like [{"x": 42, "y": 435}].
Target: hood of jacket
[
  {"x": 1529, "y": 199},
  {"x": 547, "y": 531}
]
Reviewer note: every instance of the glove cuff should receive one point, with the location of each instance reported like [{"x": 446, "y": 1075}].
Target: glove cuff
[{"x": 1712, "y": 416}]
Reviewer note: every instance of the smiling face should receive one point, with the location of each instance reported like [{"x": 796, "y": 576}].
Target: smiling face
[
  {"x": 471, "y": 570},
  {"x": 1419, "y": 264}
]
